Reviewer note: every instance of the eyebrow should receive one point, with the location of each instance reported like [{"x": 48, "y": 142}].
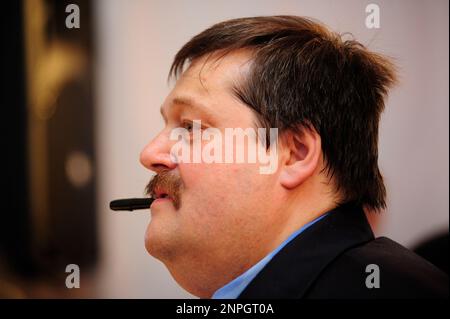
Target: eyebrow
[{"x": 188, "y": 102}]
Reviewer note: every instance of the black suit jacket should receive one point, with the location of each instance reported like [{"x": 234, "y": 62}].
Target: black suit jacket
[{"x": 329, "y": 260}]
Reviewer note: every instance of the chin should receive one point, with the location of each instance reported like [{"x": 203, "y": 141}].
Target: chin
[
  {"x": 160, "y": 243},
  {"x": 156, "y": 249},
  {"x": 153, "y": 242}
]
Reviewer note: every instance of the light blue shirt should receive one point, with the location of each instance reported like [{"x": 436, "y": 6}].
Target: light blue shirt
[{"x": 234, "y": 288}]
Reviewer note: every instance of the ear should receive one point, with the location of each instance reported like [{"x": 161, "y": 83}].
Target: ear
[{"x": 303, "y": 151}]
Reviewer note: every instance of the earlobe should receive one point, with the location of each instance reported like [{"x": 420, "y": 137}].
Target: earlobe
[
  {"x": 290, "y": 178},
  {"x": 304, "y": 151}
]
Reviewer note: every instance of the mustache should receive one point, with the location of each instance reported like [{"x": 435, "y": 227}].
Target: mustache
[{"x": 169, "y": 181}]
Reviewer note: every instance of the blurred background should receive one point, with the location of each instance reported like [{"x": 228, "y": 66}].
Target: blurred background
[{"x": 80, "y": 102}]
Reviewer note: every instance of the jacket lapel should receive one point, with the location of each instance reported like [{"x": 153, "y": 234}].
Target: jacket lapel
[{"x": 294, "y": 268}]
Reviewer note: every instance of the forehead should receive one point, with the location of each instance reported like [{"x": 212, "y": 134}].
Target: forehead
[{"x": 210, "y": 80}]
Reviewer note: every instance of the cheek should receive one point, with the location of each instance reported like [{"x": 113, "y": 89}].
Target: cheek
[
  {"x": 207, "y": 184},
  {"x": 222, "y": 191},
  {"x": 223, "y": 204}
]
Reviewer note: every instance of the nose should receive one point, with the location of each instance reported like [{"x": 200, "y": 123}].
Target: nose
[{"x": 156, "y": 155}]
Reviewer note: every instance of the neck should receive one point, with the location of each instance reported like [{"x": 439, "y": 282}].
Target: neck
[{"x": 299, "y": 213}]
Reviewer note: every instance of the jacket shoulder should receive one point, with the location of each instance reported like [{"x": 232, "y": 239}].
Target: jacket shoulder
[{"x": 380, "y": 268}]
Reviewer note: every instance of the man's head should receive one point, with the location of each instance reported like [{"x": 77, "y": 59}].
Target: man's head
[{"x": 325, "y": 97}]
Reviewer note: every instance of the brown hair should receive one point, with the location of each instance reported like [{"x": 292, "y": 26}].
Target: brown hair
[{"x": 304, "y": 76}]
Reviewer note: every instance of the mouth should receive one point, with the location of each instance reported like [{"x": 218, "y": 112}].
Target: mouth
[
  {"x": 160, "y": 194},
  {"x": 165, "y": 187}
]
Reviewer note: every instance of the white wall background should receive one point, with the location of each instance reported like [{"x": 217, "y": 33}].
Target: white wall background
[{"x": 136, "y": 41}]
